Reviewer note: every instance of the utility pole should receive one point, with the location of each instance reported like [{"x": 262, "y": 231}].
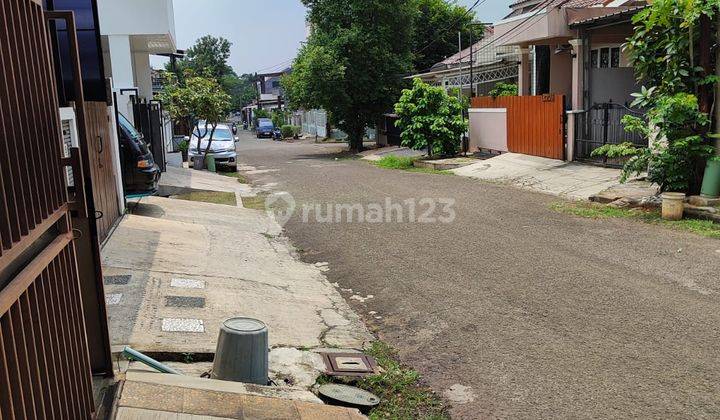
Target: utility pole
[
  {"x": 460, "y": 64},
  {"x": 460, "y": 93},
  {"x": 717, "y": 86},
  {"x": 472, "y": 85}
]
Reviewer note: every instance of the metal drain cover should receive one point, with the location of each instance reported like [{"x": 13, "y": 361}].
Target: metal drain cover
[
  {"x": 348, "y": 395},
  {"x": 349, "y": 364}
]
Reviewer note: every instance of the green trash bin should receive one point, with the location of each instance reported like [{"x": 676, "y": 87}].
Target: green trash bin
[
  {"x": 210, "y": 163},
  {"x": 711, "y": 180}
]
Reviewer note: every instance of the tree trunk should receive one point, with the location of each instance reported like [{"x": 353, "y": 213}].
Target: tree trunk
[
  {"x": 705, "y": 45},
  {"x": 210, "y": 139},
  {"x": 355, "y": 139}
]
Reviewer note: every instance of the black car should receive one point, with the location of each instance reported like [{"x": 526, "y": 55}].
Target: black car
[{"x": 140, "y": 173}]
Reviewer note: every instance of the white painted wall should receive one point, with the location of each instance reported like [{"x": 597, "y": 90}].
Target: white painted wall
[
  {"x": 143, "y": 77},
  {"x": 121, "y": 61},
  {"x": 488, "y": 129},
  {"x": 137, "y": 17}
]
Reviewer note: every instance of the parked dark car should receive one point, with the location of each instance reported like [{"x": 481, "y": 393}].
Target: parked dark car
[
  {"x": 265, "y": 128},
  {"x": 140, "y": 173}
]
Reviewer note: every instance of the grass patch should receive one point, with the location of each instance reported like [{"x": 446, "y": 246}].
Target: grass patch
[
  {"x": 214, "y": 197},
  {"x": 255, "y": 203},
  {"x": 395, "y": 162},
  {"x": 406, "y": 164},
  {"x": 237, "y": 175},
  {"x": 705, "y": 228},
  {"x": 399, "y": 388}
]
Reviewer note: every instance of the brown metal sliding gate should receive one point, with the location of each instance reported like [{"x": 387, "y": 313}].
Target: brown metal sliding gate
[{"x": 45, "y": 368}]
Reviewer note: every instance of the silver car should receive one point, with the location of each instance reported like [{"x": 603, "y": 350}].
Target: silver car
[{"x": 222, "y": 147}]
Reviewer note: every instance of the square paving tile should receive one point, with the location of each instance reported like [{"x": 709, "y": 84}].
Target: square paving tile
[
  {"x": 113, "y": 298},
  {"x": 183, "y": 325},
  {"x": 187, "y": 284},
  {"x": 184, "y": 302},
  {"x": 118, "y": 280}
]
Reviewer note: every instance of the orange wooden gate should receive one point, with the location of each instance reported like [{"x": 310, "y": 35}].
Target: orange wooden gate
[{"x": 535, "y": 124}]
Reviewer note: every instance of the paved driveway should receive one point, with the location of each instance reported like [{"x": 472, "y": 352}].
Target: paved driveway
[{"x": 540, "y": 314}]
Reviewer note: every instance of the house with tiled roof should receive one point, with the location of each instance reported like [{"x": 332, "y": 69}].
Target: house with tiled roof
[
  {"x": 572, "y": 51},
  {"x": 491, "y": 64}
]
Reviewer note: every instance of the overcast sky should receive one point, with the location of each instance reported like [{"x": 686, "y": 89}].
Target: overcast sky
[{"x": 265, "y": 34}]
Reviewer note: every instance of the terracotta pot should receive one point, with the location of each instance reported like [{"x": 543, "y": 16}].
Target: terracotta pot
[{"x": 673, "y": 205}]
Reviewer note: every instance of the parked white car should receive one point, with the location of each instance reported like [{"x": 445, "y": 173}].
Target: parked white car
[{"x": 222, "y": 147}]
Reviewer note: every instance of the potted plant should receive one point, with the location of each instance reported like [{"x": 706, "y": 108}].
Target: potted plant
[
  {"x": 183, "y": 146},
  {"x": 711, "y": 179}
]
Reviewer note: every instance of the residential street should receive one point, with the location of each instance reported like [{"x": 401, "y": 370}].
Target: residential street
[{"x": 537, "y": 313}]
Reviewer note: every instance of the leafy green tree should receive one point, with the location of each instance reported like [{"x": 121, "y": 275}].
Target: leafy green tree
[
  {"x": 240, "y": 88},
  {"x": 209, "y": 56},
  {"x": 664, "y": 47},
  {"x": 435, "y": 34},
  {"x": 316, "y": 79},
  {"x": 200, "y": 100},
  {"x": 354, "y": 62},
  {"x": 665, "y": 54},
  {"x": 430, "y": 118}
]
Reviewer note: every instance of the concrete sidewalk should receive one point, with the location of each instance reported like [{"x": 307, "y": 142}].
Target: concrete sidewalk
[
  {"x": 565, "y": 179},
  {"x": 176, "y": 269},
  {"x": 177, "y": 179}
]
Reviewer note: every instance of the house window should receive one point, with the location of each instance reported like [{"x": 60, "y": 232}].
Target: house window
[
  {"x": 615, "y": 57},
  {"x": 594, "y": 59},
  {"x": 603, "y": 58}
]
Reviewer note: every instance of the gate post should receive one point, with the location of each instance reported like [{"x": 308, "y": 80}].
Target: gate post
[{"x": 571, "y": 135}]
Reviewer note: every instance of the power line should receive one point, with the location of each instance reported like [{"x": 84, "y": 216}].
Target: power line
[
  {"x": 283, "y": 63},
  {"x": 509, "y": 32},
  {"x": 442, "y": 32},
  {"x": 514, "y": 28}
]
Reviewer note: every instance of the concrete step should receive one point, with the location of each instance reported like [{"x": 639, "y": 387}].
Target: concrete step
[
  {"x": 160, "y": 396},
  {"x": 182, "y": 381}
]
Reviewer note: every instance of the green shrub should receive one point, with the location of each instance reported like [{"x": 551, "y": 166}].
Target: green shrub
[
  {"x": 287, "y": 131},
  {"x": 671, "y": 128},
  {"x": 430, "y": 118},
  {"x": 296, "y": 130},
  {"x": 504, "y": 89}
]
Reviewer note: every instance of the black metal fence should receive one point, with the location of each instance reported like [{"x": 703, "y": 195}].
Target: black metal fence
[
  {"x": 600, "y": 125},
  {"x": 149, "y": 121}
]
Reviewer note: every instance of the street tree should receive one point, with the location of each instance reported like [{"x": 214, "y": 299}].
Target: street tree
[
  {"x": 200, "y": 100},
  {"x": 435, "y": 31},
  {"x": 430, "y": 118},
  {"x": 354, "y": 62},
  {"x": 208, "y": 56}
]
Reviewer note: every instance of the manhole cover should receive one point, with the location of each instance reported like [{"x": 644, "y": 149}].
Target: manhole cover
[
  {"x": 349, "y": 395},
  {"x": 348, "y": 364}
]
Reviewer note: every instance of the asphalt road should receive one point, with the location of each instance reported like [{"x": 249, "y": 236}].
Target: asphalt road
[{"x": 541, "y": 314}]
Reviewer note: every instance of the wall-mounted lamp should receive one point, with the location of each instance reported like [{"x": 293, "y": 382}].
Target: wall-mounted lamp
[{"x": 561, "y": 48}]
